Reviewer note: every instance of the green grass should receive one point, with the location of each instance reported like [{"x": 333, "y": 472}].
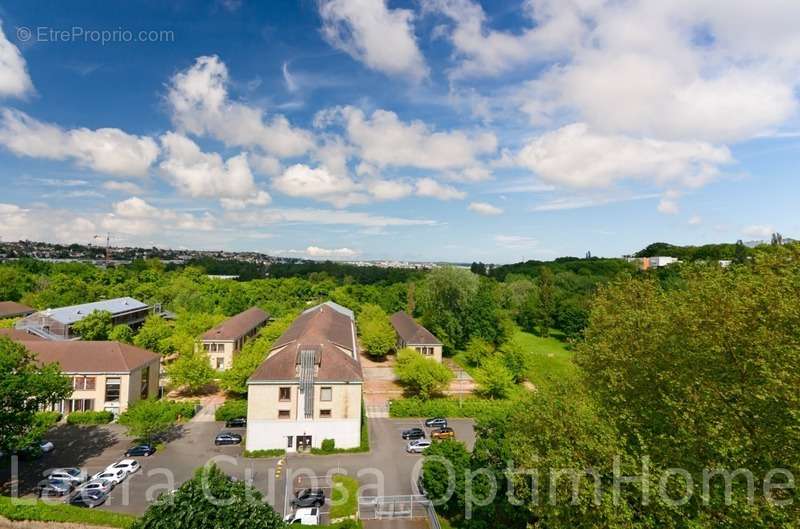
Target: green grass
[
  {"x": 344, "y": 497},
  {"x": 36, "y": 510},
  {"x": 547, "y": 359}
]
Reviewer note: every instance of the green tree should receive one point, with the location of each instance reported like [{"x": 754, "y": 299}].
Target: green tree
[
  {"x": 25, "y": 388},
  {"x": 149, "y": 419},
  {"x": 477, "y": 350},
  {"x": 154, "y": 336},
  {"x": 211, "y": 499},
  {"x": 494, "y": 378},
  {"x": 95, "y": 326},
  {"x": 443, "y": 298},
  {"x": 421, "y": 376},
  {"x": 191, "y": 371},
  {"x": 444, "y": 460},
  {"x": 377, "y": 334},
  {"x": 547, "y": 301},
  {"x": 121, "y": 333}
]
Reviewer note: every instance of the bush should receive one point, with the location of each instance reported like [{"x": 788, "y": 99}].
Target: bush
[
  {"x": 328, "y": 445},
  {"x": 231, "y": 409},
  {"x": 149, "y": 419},
  {"x": 90, "y": 417},
  {"x": 471, "y": 407},
  {"x": 495, "y": 379},
  {"x": 477, "y": 351},
  {"x": 344, "y": 496},
  {"x": 273, "y": 452},
  {"x": 35, "y": 510},
  {"x": 421, "y": 376},
  {"x": 46, "y": 419}
]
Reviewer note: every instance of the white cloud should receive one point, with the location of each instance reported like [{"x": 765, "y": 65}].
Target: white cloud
[
  {"x": 14, "y": 78},
  {"x": 107, "y": 150},
  {"x": 668, "y": 206},
  {"x": 574, "y": 156},
  {"x": 122, "y": 187},
  {"x": 300, "y": 180},
  {"x": 515, "y": 242},
  {"x": 389, "y": 189},
  {"x": 758, "y": 231},
  {"x": 134, "y": 216},
  {"x": 381, "y": 38},
  {"x": 580, "y": 202},
  {"x": 428, "y": 187},
  {"x": 483, "y": 208},
  {"x": 200, "y": 104},
  {"x": 198, "y": 174},
  {"x": 266, "y": 165},
  {"x": 17, "y": 223},
  {"x": 323, "y": 217},
  {"x": 316, "y": 251}
]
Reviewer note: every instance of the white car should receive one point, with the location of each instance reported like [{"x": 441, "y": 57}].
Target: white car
[
  {"x": 416, "y": 447},
  {"x": 128, "y": 465},
  {"x": 307, "y": 516},
  {"x": 71, "y": 475},
  {"x": 103, "y": 485},
  {"x": 115, "y": 476},
  {"x": 47, "y": 446}
]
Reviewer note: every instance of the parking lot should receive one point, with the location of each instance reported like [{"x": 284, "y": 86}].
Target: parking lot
[{"x": 386, "y": 470}]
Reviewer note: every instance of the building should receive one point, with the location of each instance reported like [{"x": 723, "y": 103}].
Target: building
[
  {"x": 412, "y": 334},
  {"x": 309, "y": 387},
  {"x": 12, "y": 309},
  {"x": 106, "y": 376},
  {"x": 56, "y": 324},
  {"x": 659, "y": 261},
  {"x": 227, "y": 338},
  {"x": 19, "y": 336}
]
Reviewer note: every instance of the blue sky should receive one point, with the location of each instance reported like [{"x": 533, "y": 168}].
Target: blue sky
[{"x": 427, "y": 130}]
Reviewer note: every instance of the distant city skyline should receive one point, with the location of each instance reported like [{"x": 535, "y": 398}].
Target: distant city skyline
[{"x": 436, "y": 130}]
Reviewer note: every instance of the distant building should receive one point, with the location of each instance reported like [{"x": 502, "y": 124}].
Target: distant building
[
  {"x": 56, "y": 324},
  {"x": 659, "y": 261},
  {"x": 412, "y": 334},
  {"x": 309, "y": 387},
  {"x": 106, "y": 376},
  {"x": 12, "y": 309},
  {"x": 226, "y": 339}
]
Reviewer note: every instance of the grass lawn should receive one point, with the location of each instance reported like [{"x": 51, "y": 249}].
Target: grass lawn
[
  {"x": 546, "y": 358},
  {"x": 344, "y": 496},
  {"x": 58, "y": 512}
]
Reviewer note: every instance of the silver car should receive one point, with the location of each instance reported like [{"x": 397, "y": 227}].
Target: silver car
[
  {"x": 103, "y": 485},
  {"x": 72, "y": 474},
  {"x": 416, "y": 447}
]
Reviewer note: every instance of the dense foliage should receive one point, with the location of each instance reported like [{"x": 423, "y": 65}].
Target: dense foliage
[
  {"x": 90, "y": 417},
  {"x": 420, "y": 376},
  {"x": 377, "y": 334},
  {"x": 95, "y": 326},
  {"x": 151, "y": 419},
  {"x": 707, "y": 252}
]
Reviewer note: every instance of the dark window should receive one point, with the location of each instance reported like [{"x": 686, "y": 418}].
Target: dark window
[
  {"x": 289, "y": 442},
  {"x": 285, "y": 394},
  {"x": 284, "y": 414},
  {"x": 112, "y": 389},
  {"x": 145, "y": 392},
  {"x": 325, "y": 414}
]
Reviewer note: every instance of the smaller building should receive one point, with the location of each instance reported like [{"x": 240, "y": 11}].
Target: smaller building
[
  {"x": 12, "y": 309},
  {"x": 106, "y": 376},
  {"x": 56, "y": 324},
  {"x": 226, "y": 339},
  {"x": 412, "y": 334}
]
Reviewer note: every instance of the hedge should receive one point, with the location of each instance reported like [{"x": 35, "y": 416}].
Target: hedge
[
  {"x": 47, "y": 418},
  {"x": 342, "y": 507},
  {"x": 273, "y": 452},
  {"x": 90, "y": 417},
  {"x": 231, "y": 409},
  {"x": 447, "y": 407},
  {"x": 36, "y": 510}
]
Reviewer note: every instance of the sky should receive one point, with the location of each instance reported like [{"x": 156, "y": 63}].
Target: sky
[{"x": 428, "y": 130}]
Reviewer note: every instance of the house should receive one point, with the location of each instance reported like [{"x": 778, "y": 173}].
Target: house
[
  {"x": 106, "y": 376},
  {"x": 227, "y": 338},
  {"x": 309, "y": 387},
  {"x": 12, "y": 309},
  {"x": 412, "y": 334},
  {"x": 56, "y": 324}
]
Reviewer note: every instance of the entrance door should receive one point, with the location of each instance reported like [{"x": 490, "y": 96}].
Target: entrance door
[{"x": 303, "y": 442}]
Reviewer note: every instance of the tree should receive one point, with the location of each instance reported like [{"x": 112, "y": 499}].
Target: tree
[
  {"x": 494, "y": 378},
  {"x": 547, "y": 301},
  {"x": 95, "y": 326},
  {"x": 440, "y": 460},
  {"x": 121, "y": 333},
  {"x": 444, "y": 297},
  {"x": 211, "y": 499},
  {"x": 154, "y": 335},
  {"x": 149, "y": 419},
  {"x": 477, "y": 350},
  {"x": 377, "y": 334},
  {"x": 191, "y": 371},
  {"x": 421, "y": 376},
  {"x": 25, "y": 388}
]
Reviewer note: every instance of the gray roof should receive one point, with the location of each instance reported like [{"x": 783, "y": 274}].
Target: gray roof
[
  {"x": 335, "y": 306},
  {"x": 69, "y": 315}
]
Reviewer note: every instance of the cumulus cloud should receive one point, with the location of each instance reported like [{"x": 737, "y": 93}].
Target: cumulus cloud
[
  {"x": 122, "y": 187},
  {"x": 14, "y": 78},
  {"x": 319, "y": 183},
  {"x": 371, "y": 33},
  {"x": 137, "y": 217},
  {"x": 484, "y": 208},
  {"x": 200, "y": 105},
  {"x": 316, "y": 251},
  {"x": 428, "y": 187},
  {"x": 18, "y": 223},
  {"x": 107, "y": 150}
]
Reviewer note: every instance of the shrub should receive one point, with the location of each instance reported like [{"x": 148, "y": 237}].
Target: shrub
[
  {"x": 46, "y": 419},
  {"x": 495, "y": 379},
  {"x": 471, "y": 407},
  {"x": 231, "y": 409},
  {"x": 35, "y": 510},
  {"x": 421, "y": 376},
  {"x": 148, "y": 419},
  {"x": 328, "y": 445},
  {"x": 90, "y": 417},
  {"x": 273, "y": 452},
  {"x": 477, "y": 351}
]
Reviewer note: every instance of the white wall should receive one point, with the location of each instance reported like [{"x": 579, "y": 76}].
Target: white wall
[{"x": 271, "y": 434}]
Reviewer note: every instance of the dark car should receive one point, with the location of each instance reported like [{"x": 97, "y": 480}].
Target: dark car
[
  {"x": 421, "y": 486},
  {"x": 53, "y": 488},
  {"x": 88, "y": 498},
  {"x": 309, "y": 498},
  {"x": 240, "y": 422},
  {"x": 227, "y": 438},
  {"x": 145, "y": 450},
  {"x": 437, "y": 422},
  {"x": 414, "y": 433},
  {"x": 443, "y": 433}
]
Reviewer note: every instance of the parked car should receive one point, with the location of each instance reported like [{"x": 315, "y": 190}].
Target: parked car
[
  {"x": 129, "y": 466},
  {"x": 416, "y": 447},
  {"x": 309, "y": 498},
  {"x": 239, "y": 422},
  {"x": 116, "y": 476},
  {"x": 414, "y": 433},
  {"x": 227, "y": 438},
  {"x": 443, "y": 433},
  {"x": 54, "y": 488},
  {"x": 89, "y": 498},
  {"x": 73, "y": 475},
  {"x": 46, "y": 446},
  {"x": 103, "y": 485},
  {"x": 436, "y": 422},
  {"x": 421, "y": 485},
  {"x": 145, "y": 450},
  {"x": 309, "y": 516}
]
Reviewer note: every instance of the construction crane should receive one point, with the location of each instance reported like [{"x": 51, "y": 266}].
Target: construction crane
[{"x": 108, "y": 246}]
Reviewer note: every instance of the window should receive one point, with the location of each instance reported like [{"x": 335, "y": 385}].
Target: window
[
  {"x": 289, "y": 442},
  {"x": 220, "y": 363},
  {"x": 324, "y": 414},
  {"x": 285, "y": 394},
  {"x": 145, "y": 389},
  {"x": 83, "y": 383},
  {"x": 284, "y": 414},
  {"x": 112, "y": 389},
  {"x": 326, "y": 394},
  {"x": 80, "y": 405}
]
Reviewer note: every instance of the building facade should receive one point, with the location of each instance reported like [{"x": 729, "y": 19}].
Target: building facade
[
  {"x": 56, "y": 324},
  {"x": 412, "y": 334},
  {"x": 226, "y": 339},
  {"x": 310, "y": 386}
]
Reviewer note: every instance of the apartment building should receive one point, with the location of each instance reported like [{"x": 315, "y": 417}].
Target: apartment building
[
  {"x": 309, "y": 387},
  {"x": 412, "y": 334},
  {"x": 226, "y": 339},
  {"x": 56, "y": 324}
]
